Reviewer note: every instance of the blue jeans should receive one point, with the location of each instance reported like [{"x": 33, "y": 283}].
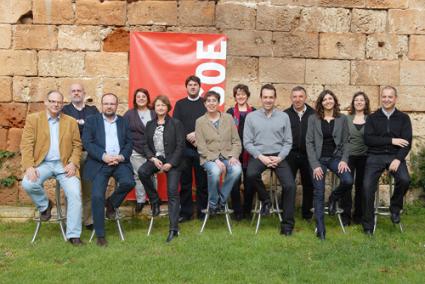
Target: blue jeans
[
  {"x": 215, "y": 195},
  {"x": 71, "y": 187},
  {"x": 346, "y": 182}
]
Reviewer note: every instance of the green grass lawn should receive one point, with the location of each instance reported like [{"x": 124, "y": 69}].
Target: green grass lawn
[{"x": 217, "y": 257}]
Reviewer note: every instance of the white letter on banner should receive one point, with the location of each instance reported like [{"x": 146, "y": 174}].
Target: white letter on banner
[
  {"x": 220, "y": 91},
  {"x": 211, "y": 66},
  {"x": 210, "y": 53}
]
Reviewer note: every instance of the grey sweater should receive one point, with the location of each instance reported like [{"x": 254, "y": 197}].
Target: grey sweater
[{"x": 267, "y": 135}]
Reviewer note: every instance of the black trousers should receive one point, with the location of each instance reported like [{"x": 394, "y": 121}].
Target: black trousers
[
  {"x": 299, "y": 162},
  {"x": 375, "y": 165},
  {"x": 286, "y": 179},
  {"x": 173, "y": 175},
  {"x": 357, "y": 166},
  {"x": 191, "y": 161}
]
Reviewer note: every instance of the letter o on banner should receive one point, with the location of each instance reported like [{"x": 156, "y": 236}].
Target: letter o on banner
[{"x": 211, "y": 66}]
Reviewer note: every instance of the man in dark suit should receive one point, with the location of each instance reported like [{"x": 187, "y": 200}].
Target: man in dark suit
[{"x": 107, "y": 140}]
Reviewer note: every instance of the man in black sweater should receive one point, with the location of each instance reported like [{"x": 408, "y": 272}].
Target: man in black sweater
[
  {"x": 299, "y": 113},
  {"x": 80, "y": 111},
  {"x": 188, "y": 110},
  {"x": 388, "y": 135}
]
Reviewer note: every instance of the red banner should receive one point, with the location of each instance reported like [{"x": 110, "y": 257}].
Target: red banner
[{"x": 161, "y": 62}]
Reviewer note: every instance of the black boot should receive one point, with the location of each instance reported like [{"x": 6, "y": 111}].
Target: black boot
[
  {"x": 171, "y": 235},
  {"x": 156, "y": 209}
]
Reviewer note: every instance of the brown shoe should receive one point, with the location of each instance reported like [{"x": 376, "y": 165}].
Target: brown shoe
[
  {"x": 76, "y": 242},
  {"x": 110, "y": 210},
  {"x": 47, "y": 214},
  {"x": 102, "y": 242}
]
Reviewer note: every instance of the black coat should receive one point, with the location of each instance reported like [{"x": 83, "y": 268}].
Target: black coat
[
  {"x": 299, "y": 128},
  {"x": 174, "y": 140},
  {"x": 137, "y": 128}
]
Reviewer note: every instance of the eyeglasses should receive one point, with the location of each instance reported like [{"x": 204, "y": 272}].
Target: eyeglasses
[{"x": 55, "y": 102}]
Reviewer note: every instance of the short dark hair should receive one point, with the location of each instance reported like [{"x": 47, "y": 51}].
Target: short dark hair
[
  {"x": 388, "y": 87},
  {"x": 367, "y": 103},
  {"x": 319, "y": 107},
  {"x": 212, "y": 94},
  {"x": 267, "y": 87},
  {"x": 164, "y": 99},
  {"x": 109, "y": 94},
  {"x": 298, "y": 89},
  {"x": 192, "y": 78},
  {"x": 144, "y": 91},
  {"x": 243, "y": 88},
  {"x": 53, "y": 91}
]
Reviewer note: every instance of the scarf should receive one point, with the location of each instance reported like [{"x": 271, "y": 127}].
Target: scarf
[{"x": 237, "y": 118}]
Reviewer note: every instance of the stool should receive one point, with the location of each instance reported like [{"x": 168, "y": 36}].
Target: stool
[
  {"x": 275, "y": 209},
  {"x": 381, "y": 210},
  {"x": 59, "y": 216},
  {"x": 162, "y": 213},
  {"x": 339, "y": 211},
  {"x": 226, "y": 212}
]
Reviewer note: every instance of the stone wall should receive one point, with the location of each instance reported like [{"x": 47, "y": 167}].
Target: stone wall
[{"x": 344, "y": 45}]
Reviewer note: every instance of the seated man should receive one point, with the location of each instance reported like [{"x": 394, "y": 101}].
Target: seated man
[
  {"x": 51, "y": 147},
  {"x": 388, "y": 136},
  {"x": 107, "y": 140}
]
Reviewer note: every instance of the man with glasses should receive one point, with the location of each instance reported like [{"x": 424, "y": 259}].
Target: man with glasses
[
  {"x": 51, "y": 147},
  {"x": 80, "y": 111},
  {"x": 107, "y": 140}
]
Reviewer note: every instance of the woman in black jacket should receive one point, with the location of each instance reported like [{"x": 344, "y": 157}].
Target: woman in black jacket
[{"x": 163, "y": 146}]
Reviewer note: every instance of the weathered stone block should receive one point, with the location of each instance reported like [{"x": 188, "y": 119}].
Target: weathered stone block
[
  {"x": 5, "y": 35},
  {"x": 9, "y": 195},
  {"x": 12, "y": 10},
  {"x": 411, "y": 98},
  {"x": 368, "y": 21},
  {"x": 277, "y": 18},
  {"x": 53, "y": 12},
  {"x": 18, "y": 62},
  {"x": 196, "y": 13},
  {"x": 325, "y": 20},
  {"x": 107, "y": 64},
  {"x": 386, "y": 46},
  {"x": 117, "y": 86},
  {"x": 412, "y": 72},
  {"x": 281, "y": 70},
  {"x": 92, "y": 87},
  {"x": 327, "y": 71},
  {"x": 14, "y": 139},
  {"x": 388, "y": 4},
  {"x": 235, "y": 16},
  {"x": 242, "y": 68},
  {"x": 35, "y": 37},
  {"x": 370, "y": 72},
  {"x": 79, "y": 37},
  {"x": 36, "y": 107},
  {"x": 249, "y": 43},
  {"x": 416, "y": 47},
  {"x": 32, "y": 89},
  {"x": 416, "y": 4},
  {"x": 60, "y": 63},
  {"x": 152, "y": 13},
  {"x": 3, "y": 138},
  {"x": 12, "y": 115},
  {"x": 345, "y": 94},
  {"x": 196, "y": 30},
  {"x": 296, "y": 44},
  {"x": 101, "y": 13},
  {"x": 406, "y": 21},
  {"x": 117, "y": 41},
  {"x": 5, "y": 89},
  {"x": 342, "y": 3},
  {"x": 342, "y": 45},
  {"x": 307, "y": 3},
  {"x": 418, "y": 122}
]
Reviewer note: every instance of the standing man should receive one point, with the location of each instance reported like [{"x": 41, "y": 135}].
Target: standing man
[
  {"x": 188, "y": 110},
  {"x": 107, "y": 140},
  {"x": 80, "y": 111},
  {"x": 267, "y": 137},
  {"x": 51, "y": 147},
  {"x": 388, "y": 136},
  {"x": 299, "y": 113}
]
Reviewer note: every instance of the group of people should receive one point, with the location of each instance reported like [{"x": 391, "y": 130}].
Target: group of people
[{"x": 224, "y": 150}]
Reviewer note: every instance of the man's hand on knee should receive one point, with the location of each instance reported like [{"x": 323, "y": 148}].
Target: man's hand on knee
[{"x": 32, "y": 174}]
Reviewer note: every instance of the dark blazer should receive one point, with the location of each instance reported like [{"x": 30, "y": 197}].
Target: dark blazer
[
  {"x": 137, "y": 128},
  {"x": 314, "y": 139},
  {"x": 174, "y": 140},
  {"x": 94, "y": 143}
]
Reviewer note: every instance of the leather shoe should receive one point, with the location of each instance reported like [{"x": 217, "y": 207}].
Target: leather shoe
[
  {"x": 183, "y": 219},
  {"x": 265, "y": 209},
  {"x": 47, "y": 214},
  {"x": 102, "y": 242},
  {"x": 171, "y": 236},
  {"x": 139, "y": 207},
  {"x": 332, "y": 206},
  {"x": 368, "y": 232},
  {"x": 110, "y": 211},
  {"x": 89, "y": 227},
  {"x": 395, "y": 217},
  {"x": 76, "y": 242},
  {"x": 321, "y": 235},
  {"x": 156, "y": 209}
]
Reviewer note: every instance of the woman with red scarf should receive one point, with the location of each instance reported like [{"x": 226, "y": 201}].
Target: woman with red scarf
[{"x": 239, "y": 112}]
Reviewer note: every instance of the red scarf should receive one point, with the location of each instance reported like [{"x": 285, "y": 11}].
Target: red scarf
[{"x": 237, "y": 117}]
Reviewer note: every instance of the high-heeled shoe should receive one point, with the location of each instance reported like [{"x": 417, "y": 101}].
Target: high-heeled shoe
[{"x": 171, "y": 235}]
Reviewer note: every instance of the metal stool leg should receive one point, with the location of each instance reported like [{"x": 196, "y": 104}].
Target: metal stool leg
[
  {"x": 60, "y": 217},
  {"x": 37, "y": 229},
  {"x": 256, "y": 209},
  {"x": 207, "y": 214},
  {"x": 91, "y": 236},
  {"x": 118, "y": 221},
  {"x": 227, "y": 213},
  {"x": 150, "y": 225},
  {"x": 259, "y": 218}
]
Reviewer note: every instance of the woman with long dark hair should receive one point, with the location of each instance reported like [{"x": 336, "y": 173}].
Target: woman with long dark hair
[
  {"x": 137, "y": 118},
  {"x": 327, "y": 148},
  {"x": 359, "y": 110}
]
